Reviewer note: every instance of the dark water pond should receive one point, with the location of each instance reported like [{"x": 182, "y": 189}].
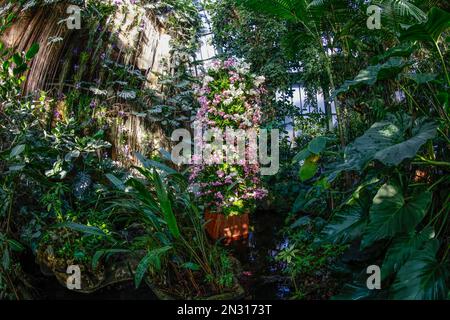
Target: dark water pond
[{"x": 262, "y": 276}]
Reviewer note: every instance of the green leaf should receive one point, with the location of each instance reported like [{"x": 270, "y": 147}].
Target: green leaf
[
  {"x": 20, "y": 69},
  {"x": 154, "y": 164},
  {"x": 90, "y": 230},
  {"x": 151, "y": 259},
  {"x": 422, "y": 277},
  {"x": 421, "y": 78},
  {"x": 317, "y": 145},
  {"x": 299, "y": 202},
  {"x": 369, "y": 76},
  {"x": 309, "y": 168},
  {"x": 387, "y": 141},
  {"x": 191, "y": 266},
  {"x": 346, "y": 225},
  {"x": 302, "y": 155},
  {"x": 6, "y": 260},
  {"x": 397, "y": 152},
  {"x": 438, "y": 21},
  {"x": 72, "y": 154},
  {"x": 290, "y": 10},
  {"x": 402, "y": 248},
  {"x": 116, "y": 182},
  {"x": 303, "y": 221},
  {"x": 32, "y": 51},
  {"x": 144, "y": 194},
  {"x": 165, "y": 204},
  {"x": 392, "y": 214},
  {"x": 15, "y": 246},
  {"x": 16, "y": 167},
  {"x": 17, "y": 59},
  {"x": 354, "y": 292},
  {"x": 402, "y": 50},
  {"x": 17, "y": 150}
]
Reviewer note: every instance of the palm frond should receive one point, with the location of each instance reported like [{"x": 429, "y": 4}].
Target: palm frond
[
  {"x": 403, "y": 8},
  {"x": 290, "y": 10}
]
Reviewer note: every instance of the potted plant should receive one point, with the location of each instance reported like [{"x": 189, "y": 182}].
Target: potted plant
[{"x": 229, "y": 99}]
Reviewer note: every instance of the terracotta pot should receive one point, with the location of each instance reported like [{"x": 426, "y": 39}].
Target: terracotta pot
[{"x": 231, "y": 228}]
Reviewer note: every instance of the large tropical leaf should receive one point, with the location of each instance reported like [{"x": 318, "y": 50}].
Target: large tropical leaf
[
  {"x": 391, "y": 213},
  {"x": 387, "y": 141},
  {"x": 402, "y": 248},
  {"x": 346, "y": 225},
  {"x": 438, "y": 21},
  {"x": 369, "y": 76},
  {"x": 402, "y": 50},
  {"x": 317, "y": 145},
  {"x": 348, "y": 222},
  {"x": 395, "y": 151},
  {"x": 422, "y": 277}
]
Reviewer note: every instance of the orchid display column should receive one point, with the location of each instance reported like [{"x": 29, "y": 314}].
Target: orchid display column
[{"x": 229, "y": 101}]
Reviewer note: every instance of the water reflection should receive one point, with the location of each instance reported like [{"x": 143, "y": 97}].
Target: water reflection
[{"x": 262, "y": 276}]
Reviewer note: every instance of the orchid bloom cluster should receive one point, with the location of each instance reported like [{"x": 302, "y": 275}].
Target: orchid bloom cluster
[{"x": 229, "y": 98}]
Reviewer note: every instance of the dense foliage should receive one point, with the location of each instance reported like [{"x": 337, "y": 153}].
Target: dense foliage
[
  {"x": 387, "y": 190},
  {"x": 363, "y": 181}
]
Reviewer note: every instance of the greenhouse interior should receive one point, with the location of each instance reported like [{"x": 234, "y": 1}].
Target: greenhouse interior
[{"x": 231, "y": 150}]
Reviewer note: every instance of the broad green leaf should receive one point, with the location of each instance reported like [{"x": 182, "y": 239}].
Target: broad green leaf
[
  {"x": 17, "y": 150},
  {"x": 438, "y": 21},
  {"x": 317, "y": 145},
  {"x": 402, "y": 50},
  {"x": 421, "y": 78},
  {"x": 346, "y": 225},
  {"x": 17, "y": 59},
  {"x": 302, "y": 155},
  {"x": 387, "y": 141},
  {"x": 369, "y": 76},
  {"x": 32, "y": 51},
  {"x": 20, "y": 69},
  {"x": 151, "y": 259},
  {"x": 402, "y": 248},
  {"x": 422, "y": 277},
  {"x": 309, "y": 168},
  {"x": 392, "y": 214},
  {"x": 397, "y": 152}
]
